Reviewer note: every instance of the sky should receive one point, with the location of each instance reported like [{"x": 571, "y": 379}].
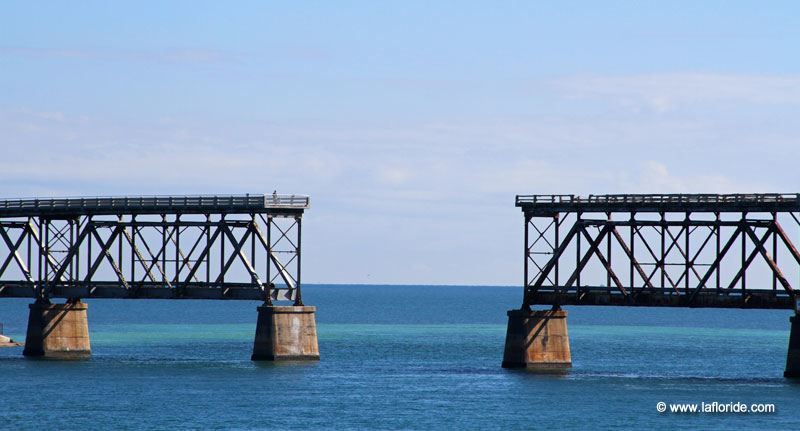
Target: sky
[{"x": 412, "y": 125}]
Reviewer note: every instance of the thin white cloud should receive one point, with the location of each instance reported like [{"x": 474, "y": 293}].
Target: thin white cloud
[
  {"x": 656, "y": 177},
  {"x": 669, "y": 91},
  {"x": 177, "y": 55}
]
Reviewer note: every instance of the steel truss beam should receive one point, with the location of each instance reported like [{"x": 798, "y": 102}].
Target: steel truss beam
[
  {"x": 194, "y": 256},
  {"x": 701, "y": 258}
]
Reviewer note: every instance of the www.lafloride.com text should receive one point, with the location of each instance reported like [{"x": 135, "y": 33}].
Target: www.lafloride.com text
[{"x": 715, "y": 407}]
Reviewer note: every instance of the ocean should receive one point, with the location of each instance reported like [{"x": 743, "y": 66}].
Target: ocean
[{"x": 399, "y": 357}]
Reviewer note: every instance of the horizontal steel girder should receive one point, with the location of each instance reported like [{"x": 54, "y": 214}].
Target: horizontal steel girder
[
  {"x": 149, "y": 291},
  {"x": 600, "y": 295}
]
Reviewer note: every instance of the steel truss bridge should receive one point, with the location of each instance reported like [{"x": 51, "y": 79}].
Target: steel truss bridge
[
  {"x": 166, "y": 247},
  {"x": 684, "y": 250}
]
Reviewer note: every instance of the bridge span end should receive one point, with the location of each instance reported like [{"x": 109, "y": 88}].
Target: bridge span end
[
  {"x": 232, "y": 247},
  {"x": 653, "y": 250}
]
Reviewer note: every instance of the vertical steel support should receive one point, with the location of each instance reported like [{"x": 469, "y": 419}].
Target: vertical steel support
[
  {"x": 578, "y": 254},
  {"x": 663, "y": 261},
  {"x": 298, "y": 301},
  {"x": 774, "y": 251},
  {"x": 90, "y": 229},
  {"x": 163, "y": 248},
  {"x": 177, "y": 248},
  {"x": 44, "y": 237},
  {"x": 555, "y": 245},
  {"x": 119, "y": 248},
  {"x": 133, "y": 248},
  {"x": 252, "y": 229},
  {"x": 719, "y": 246},
  {"x": 30, "y": 257},
  {"x": 269, "y": 249},
  {"x": 526, "y": 257},
  {"x": 39, "y": 287},
  {"x": 688, "y": 267},
  {"x": 608, "y": 256},
  {"x": 83, "y": 224},
  {"x": 208, "y": 246},
  {"x": 269, "y": 260},
  {"x": 632, "y": 247},
  {"x": 744, "y": 253},
  {"x": 222, "y": 250},
  {"x": 72, "y": 230}
]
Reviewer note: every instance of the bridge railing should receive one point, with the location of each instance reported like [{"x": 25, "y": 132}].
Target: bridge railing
[
  {"x": 660, "y": 198},
  {"x": 167, "y": 203}
]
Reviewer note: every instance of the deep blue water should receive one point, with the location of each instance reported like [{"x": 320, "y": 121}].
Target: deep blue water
[{"x": 399, "y": 357}]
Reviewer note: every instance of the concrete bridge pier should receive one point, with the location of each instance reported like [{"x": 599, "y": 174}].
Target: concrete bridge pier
[
  {"x": 286, "y": 333},
  {"x": 58, "y": 331},
  {"x": 537, "y": 340},
  {"x": 793, "y": 355}
]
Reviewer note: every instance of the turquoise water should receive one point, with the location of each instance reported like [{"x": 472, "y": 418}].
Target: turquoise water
[{"x": 399, "y": 357}]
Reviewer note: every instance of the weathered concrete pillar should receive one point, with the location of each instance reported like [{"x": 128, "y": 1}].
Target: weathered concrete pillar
[
  {"x": 286, "y": 333},
  {"x": 537, "y": 340},
  {"x": 58, "y": 331},
  {"x": 793, "y": 355}
]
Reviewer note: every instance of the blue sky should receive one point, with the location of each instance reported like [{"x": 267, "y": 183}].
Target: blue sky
[{"x": 411, "y": 124}]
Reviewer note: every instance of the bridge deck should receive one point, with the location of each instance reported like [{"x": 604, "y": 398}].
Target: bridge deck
[
  {"x": 150, "y": 290},
  {"x": 710, "y": 298},
  {"x": 200, "y": 204},
  {"x": 553, "y": 204}
]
